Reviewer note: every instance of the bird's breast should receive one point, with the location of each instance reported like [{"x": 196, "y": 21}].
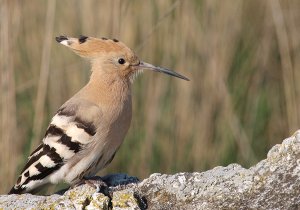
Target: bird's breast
[
  {"x": 118, "y": 117},
  {"x": 114, "y": 101}
]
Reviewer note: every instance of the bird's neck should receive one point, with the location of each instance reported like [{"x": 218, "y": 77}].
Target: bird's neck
[{"x": 106, "y": 89}]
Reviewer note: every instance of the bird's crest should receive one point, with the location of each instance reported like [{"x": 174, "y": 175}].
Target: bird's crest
[{"x": 90, "y": 47}]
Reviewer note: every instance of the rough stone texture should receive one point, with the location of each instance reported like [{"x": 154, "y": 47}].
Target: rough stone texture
[{"x": 273, "y": 183}]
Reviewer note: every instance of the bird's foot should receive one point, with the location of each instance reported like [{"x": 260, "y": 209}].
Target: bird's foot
[
  {"x": 98, "y": 184},
  {"x": 95, "y": 182},
  {"x": 81, "y": 182}
]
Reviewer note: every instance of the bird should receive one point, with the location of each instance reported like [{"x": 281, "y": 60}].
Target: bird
[{"x": 89, "y": 128}]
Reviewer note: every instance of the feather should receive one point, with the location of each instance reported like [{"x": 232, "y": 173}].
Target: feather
[{"x": 67, "y": 133}]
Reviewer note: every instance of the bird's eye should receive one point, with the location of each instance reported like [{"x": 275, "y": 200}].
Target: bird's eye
[{"x": 121, "y": 61}]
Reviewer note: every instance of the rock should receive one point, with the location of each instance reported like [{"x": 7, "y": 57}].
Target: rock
[
  {"x": 125, "y": 199},
  {"x": 98, "y": 201},
  {"x": 273, "y": 183}
]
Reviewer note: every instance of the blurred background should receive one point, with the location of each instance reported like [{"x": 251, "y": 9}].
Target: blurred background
[{"x": 241, "y": 56}]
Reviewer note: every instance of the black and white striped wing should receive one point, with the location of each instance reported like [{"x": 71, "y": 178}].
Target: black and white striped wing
[{"x": 68, "y": 133}]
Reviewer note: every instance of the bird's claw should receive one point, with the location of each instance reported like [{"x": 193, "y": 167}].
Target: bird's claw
[{"x": 98, "y": 184}]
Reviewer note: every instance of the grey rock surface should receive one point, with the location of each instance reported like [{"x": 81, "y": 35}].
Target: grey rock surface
[{"x": 273, "y": 183}]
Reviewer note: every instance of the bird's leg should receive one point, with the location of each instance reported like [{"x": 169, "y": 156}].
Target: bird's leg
[
  {"x": 82, "y": 181},
  {"x": 98, "y": 184}
]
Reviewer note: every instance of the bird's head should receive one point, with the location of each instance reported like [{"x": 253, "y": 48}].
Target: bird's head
[{"x": 112, "y": 56}]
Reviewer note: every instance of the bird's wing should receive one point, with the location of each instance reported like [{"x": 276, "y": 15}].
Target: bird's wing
[{"x": 70, "y": 130}]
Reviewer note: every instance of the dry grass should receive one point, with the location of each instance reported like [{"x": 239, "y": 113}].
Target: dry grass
[{"x": 241, "y": 56}]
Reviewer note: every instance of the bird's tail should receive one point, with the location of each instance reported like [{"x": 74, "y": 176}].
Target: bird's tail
[
  {"x": 21, "y": 189},
  {"x": 17, "y": 190}
]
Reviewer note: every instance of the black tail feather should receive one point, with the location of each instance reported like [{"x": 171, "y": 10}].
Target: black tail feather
[{"x": 19, "y": 190}]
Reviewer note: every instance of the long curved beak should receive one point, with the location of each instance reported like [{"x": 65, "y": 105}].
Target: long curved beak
[{"x": 144, "y": 65}]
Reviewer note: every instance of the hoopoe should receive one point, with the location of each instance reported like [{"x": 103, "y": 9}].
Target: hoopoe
[{"x": 87, "y": 130}]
